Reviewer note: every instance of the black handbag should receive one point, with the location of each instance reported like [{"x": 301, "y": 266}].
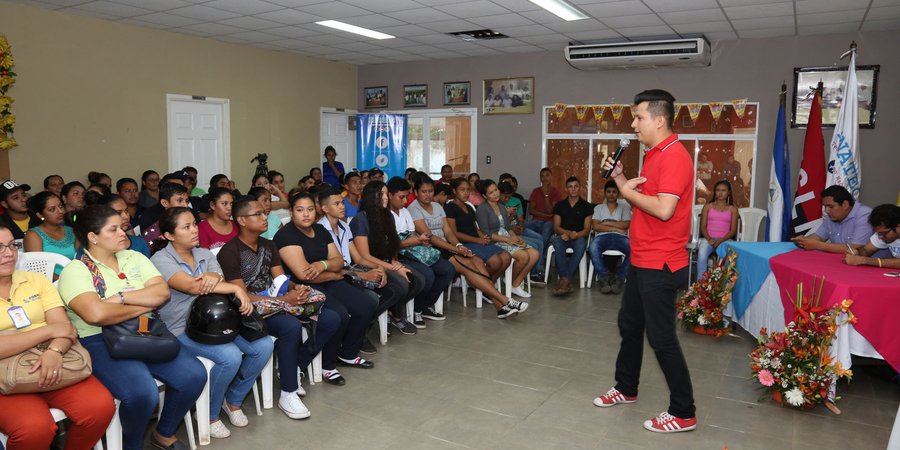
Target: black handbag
[
  {"x": 143, "y": 338},
  {"x": 253, "y": 327}
]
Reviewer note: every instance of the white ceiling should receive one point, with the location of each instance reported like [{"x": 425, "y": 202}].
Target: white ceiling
[{"x": 420, "y": 25}]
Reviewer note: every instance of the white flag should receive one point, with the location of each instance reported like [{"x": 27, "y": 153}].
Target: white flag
[{"x": 843, "y": 164}]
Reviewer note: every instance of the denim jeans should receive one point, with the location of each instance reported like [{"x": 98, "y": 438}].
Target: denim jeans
[
  {"x": 437, "y": 277},
  {"x": 609, "y": 241},
  {"x": 292, "y": 353},
  {"x": 544, "y": 229},
  {"x": 132, "y": 382},
  {"x": 237, "y": 365},
  {"x": 704, "y": 249},
  {"x": 566, "y": 264}
]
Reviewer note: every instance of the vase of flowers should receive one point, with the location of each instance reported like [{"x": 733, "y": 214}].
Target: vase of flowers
[
  {"x": 795, "y": 365},
  {"x": 7, "y": 79},
  {"x": 700, "y": 308}
]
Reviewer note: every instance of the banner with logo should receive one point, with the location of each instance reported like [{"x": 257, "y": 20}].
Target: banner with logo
[
  {"x": 381, "y": 143},
  {"x": 843, "y": 162}
]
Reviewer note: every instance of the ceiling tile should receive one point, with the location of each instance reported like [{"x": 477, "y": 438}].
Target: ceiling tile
[
  {"x": 293, "y": 43},
  {"x": 169, "y": 20},
  {"x": 290, "y": 17},
  {"x": 328, "y": 39},
  {"x": 375, "y": 21},
  {"x": 703, "y": 27},
  {"x": 763, "y": 23},
  {"x": 657, "y": 31},
  {"x": 807, "y": 30},
  {"x": 541, "y": 16},
  {"x": 405, "y": 30},
  {"x": 245, "y": 7},
  {"x": 577, "y": 25},
  {"x": 881, "y": 25},
  {"x": 256, "y": 36},
  {"x": 399, "y": 58},
  {"x": 415, "y": 49},
  {"x": 756, "y": 11},
  {"x": 553, "y": 47},
  {"x": 435, "y": 2},
  {"x": 320, "y": 50},
  {"x": 701, "y": 15},
  {"x": 501, "y": 43},
  {"x": 231, "y": 40},
  {"x": 112, "y": 9},
  {"x": 639, "y": 20},
  {"x": 482, "y": 52},
  {"x": 720, "y": 36},
  {"x": 526, "y": 30},
  {"x": 450, "y": 26},
  {"x": 292, "y": 32},
  {"x": 268, "y": 45},
  {"x": 213, "y": 28},
  {"x": 334, "y": 10},
  {"x": 883, "y": 13},
  {"x": 382, "y": 6},
  {"x": 501, "y": 20},
  {"x": 460, "y": 46},
  {"x": 52, "y": 4},
  {"x": 443, "y": 55},
  {"x": 728, "y": 3},
  {"x": 475, "y": 8},
  {"x": 597, "y": 35},
  {"x": 523, "y": 49},
  {"x": 620, "y": 8},
  {"x": 385, "y": 52},
  {"x": 433, "y": 39},
  {"x": 204, "y": 13},
  {"x": 766, "y": 32},
  {"x": 154, "y": 5},
  {"x": 876, "y": 3},
  {"x": 251, "y": 23},
  {"x": 680, "y": 5},
  {"x": 141, "y": 23},
  {"x": 517, "y": 5},
  {"x": 294, "y": 3},
  {"x": 830, "y": 17},
  {"x": 546, "y": 39},
  {"x": 420, "y": 15},
  {"x": 816, "y": 6}
]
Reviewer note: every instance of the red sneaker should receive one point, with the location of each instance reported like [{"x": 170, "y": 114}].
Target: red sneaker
[
  {"x": 667, "y": 423},
  {"x": 612, "y": 398}
]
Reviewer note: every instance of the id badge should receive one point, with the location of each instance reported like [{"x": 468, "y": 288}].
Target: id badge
[{"x": 19, "y": 317}]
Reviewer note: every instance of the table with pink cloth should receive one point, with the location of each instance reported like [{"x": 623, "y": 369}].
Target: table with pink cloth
[{"x": 876, "y": 299}]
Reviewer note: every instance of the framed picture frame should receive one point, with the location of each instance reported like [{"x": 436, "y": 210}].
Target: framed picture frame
[
  {"x": 833, "y": 78},
  {"x": 415, "y": 95},
  {"x": 508, "y": 96},
  {"x": 375, "y": 97},
  {"x": 457, "y": 93}
]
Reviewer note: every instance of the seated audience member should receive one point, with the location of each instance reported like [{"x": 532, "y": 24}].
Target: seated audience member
[
  {"x": 264, "y": 197},
  {"x": 718, "y": 223},
  {"x": 110, "y": 285},
  {"x": 846, "y": 222},
  {"x": 150, "y": 215},
  {"x": 192, "y": 172},
  {"x": 332, "y": 170},
  {"x": 514, "y": 184},
  {"x": 431, "y": 221},
  {"x": 364, "y": 177},
  {"x": 221, "y": 181},
  {"x": 475, "y": 197},
  {"x": 316, "y": 174},
  {"x": 73, "y": 196},
  {"x": 41, "y": 320},
  {"x": 54, "y": 184},
  {"x": 442, "y": 194},
  {"x": 16, "y": 216},
  {"x": 311, "y": 257},
  {"x": 305, "y": 183},
  {"x": 353, "y": 185},
  {"x": 149, "y": 195},
  {"x": 51, "y": 234},
  {"x": 516, "y": 212},
  {"x": 388, "y": 293},
  {"x": 219, "y": 228},
  {"x": 100, "y": 178},
  {"x": 170, "y": 196},
  {"x": 540, "y": 205},
  {"x": 411, "y": 174},
  {"x": 276, "y": 178},
  {"x": 278, "y": 198},
  {"x": 118, "y": 205},
  {"x": 127, "y": 188},
  {"x": 571, "y": 225},
  {"x": 376, "y": 244},
  {"x": 376, "y": 175},
  {"x": 446, "y": 175},
  {"x": 464, "y": 223},
  {"x": 438, "y": 275},
  {"x": 493, "y": 219},
  {"x": 610, "y": 222},
  {"x": 885, "y": 221},
  {"x": 252, "y": 263},
  {"x": 191, "y": 271},
  {"x": 101, "y": 189}
]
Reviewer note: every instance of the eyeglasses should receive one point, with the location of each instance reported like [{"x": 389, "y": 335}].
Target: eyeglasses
[
  {"x": 15, "y": 246},
  {"x": 882, "y": 234},
  {"x": 256, "y": 214}
]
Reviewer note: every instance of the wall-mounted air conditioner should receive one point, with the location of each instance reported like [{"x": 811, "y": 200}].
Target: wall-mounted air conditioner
[{"x": 692, "y": 52}]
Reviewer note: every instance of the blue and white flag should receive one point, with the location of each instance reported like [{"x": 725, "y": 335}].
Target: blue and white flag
[
  {"x": 779, "y": 185},
  {"x": 381, "y": 143},
  {"x": 843, "y": 166}
]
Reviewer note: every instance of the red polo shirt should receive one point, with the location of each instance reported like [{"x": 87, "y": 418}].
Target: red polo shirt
[{"x": 669, "y": 170}]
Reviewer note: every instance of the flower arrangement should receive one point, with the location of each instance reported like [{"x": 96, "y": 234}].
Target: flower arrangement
[
  {"x": 7, "y": 79},
  {"x": 795, "y": 365},
  {"x": 700, "y": 308}
]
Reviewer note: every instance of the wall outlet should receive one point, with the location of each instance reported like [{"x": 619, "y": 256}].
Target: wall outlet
[{"x": 488, "y": 159}]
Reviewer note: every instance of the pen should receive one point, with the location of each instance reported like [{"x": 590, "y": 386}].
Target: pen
[{"x": 850, "y": 249}]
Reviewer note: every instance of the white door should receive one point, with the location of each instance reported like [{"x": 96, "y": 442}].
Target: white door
[
  {"x": 336, "y": 132},
  {"x": 199, "y": 136}
]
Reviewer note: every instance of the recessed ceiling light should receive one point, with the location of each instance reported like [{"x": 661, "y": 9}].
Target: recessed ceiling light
[
  {"x": 478, "y": 35},
  {"x": 354, "y": 29},
  {"x": 561, "y": 8}
]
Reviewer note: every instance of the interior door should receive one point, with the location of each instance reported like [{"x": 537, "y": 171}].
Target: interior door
[
  {"x": 337, "y": 133},
  {"x": 198, "y": 136}
]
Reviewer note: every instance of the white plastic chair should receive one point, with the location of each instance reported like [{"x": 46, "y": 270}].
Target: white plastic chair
[
  {"x": 508, "y": 280},
  {"x": 590, "y": 280},
  {"x": 582, "y": 265},
  {"x": 464, "y": 285},
  {"x": 694, "y": 243},
  {"x": 751, "y": 218},
  {"x": 59, "y": 416},
  {"x": 114, "y": 430},
  {"x": 44, "y": 262},
  {"x": 202, "y": 404}
]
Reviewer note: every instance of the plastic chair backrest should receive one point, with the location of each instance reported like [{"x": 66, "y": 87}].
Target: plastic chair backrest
[
  {"x": 751, "y": 218},
  {"x": 696, "y": 211},
  {"x": 44, "y": 262}
]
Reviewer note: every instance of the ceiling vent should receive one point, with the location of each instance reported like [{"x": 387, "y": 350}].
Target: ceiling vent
[
  {"x": 479, "y": 35},
  {"x": 692, "y": 52}
]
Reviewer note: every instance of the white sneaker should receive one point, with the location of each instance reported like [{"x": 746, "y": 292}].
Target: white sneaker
[
  {"x": 293, "y": 407},
  {"x": 237, "y": 418},
  {"x": 300, "y": 391},
  {"x": 218, "y": 430},
  {"x": 518, "y": 291}
]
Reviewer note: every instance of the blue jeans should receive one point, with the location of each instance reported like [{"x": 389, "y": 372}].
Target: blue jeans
[
  {"x": 609, "y": 241},
  {"x": 132, "y": 382},
  {"x": 543, "y": 229},
  {"x": 437, "y": 277},
  {"x": 237, "y": 365},
  {"x": 567, "y": 265},
  {"x": 292, "y": 353}
]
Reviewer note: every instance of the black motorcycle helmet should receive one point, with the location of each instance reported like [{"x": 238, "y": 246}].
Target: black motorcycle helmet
[{"x": 213, "y": 319}]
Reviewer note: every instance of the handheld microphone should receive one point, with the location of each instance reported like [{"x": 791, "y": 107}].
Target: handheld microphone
[{"x": 623, "y": 144}]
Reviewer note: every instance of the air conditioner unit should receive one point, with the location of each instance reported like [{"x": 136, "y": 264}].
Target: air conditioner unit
[{"x": 692, "y": 52}]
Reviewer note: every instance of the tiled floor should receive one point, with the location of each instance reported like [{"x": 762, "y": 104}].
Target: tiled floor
[{"x": 474, "y": 381}]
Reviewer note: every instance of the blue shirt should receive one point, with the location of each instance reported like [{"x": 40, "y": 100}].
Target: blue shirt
[
  {"x": 341, "y": 239},
  {"x": 854, "y": 229},
  {"x": 350, "y": 209},
  {"x": 328, "y": 175}
]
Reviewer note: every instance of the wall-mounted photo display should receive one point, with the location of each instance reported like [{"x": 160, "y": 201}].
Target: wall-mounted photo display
[
  {"x": 457, "y": 93},
  {"x": 833, "y": 78},
  {"x": 376, "y": 97},
  {"x": 509, "y": 96},
  {"x": 415, "y": 95}
]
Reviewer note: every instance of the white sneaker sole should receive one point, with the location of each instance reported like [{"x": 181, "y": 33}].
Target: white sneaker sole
[
  {"x": 649, "y": 426},
  {"x": 521, "y": 293},
  {"x": 295, "y": 416},
  {"x": 599, "y": 403}
]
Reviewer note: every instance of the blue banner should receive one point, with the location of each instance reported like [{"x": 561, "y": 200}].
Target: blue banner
[{"x": 381, "y": 143}]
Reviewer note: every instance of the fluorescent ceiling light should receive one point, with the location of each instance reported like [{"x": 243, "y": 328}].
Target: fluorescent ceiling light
[
  {"x": 561, "y": 8},
  {"x": 354, "y": 29}
]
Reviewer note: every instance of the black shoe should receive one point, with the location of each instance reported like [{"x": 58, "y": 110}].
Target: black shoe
[
  {"x": 606, "y": 284},
  {"x": 617, "y": 286},
  {"x": 177, "y": 445},
  {"x": 418, "y": 321},
  {"x": 431, "y": 314},
  {"x": 505, "y": 312},
  {"x": 334, "y": 378},
  {"x": 356, "y": 362},
  {"x": 404, "y": 326},
  {"x": 368, "y": 347},
  {"x": 537, "y": 280}
]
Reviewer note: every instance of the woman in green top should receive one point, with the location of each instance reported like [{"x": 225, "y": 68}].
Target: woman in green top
[{"x": 51, "y": 235}]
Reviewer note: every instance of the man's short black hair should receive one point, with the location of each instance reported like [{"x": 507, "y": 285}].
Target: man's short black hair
[
  {"x": 325, "y": 192},
  {"x": 397, "y": 184},
  {"x": 350, "y": 175},
  {"x": 123, "y": 181},
  {"x": 169, "y": 190},
  {"x": 886, "y": 215},
  {"x": 659, "y": 103},
  {"x": 242, "y": 205},
  {"x": 506, "y": 188},
  {"x": 610, "y": 184},
  {"x": 571, "y": 179},
  {"x": 839, "y": 193}
]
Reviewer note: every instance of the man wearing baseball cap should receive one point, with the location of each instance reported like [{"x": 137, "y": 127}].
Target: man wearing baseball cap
[{"x": 16, "y": 216}]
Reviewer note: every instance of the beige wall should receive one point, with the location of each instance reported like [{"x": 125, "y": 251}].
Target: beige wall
[
  {"x": 750, "y": 68},
  {"x": 91, "y": 95}
]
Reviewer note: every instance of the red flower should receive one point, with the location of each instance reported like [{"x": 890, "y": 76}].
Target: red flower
[{"x": 122, "y": 276}]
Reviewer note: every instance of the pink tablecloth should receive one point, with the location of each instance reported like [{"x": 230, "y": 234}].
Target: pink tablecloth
[{"x": 876, "y": 298}]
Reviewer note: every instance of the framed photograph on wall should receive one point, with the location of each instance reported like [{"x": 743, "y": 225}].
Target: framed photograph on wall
[
  {"x": 833, "y": 78},
  {"x": 415, "y": 95},
  {"x": 457, "y": 93},
  {"x": 376, "y": 97},
  {"x": 509, "y": 96}
]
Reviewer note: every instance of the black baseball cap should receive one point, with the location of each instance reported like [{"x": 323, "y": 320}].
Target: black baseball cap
[{"x": 10, "y": 186}]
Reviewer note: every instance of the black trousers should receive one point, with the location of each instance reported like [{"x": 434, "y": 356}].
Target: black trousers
[
  {"x": 648, "y": 304},
  {"x": 355, "y": 309}
]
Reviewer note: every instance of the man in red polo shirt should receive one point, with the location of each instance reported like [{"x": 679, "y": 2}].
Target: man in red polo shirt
[{"x": 660, "y": 228}]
